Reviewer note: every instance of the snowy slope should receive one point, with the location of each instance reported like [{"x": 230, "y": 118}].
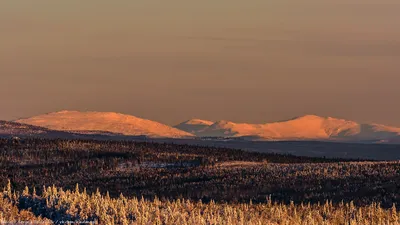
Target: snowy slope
[{"x": 104, "y": 121}]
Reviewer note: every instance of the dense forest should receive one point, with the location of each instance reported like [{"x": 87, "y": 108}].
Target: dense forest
[
  {"x": 194, "y": 172},
  {"x": 58, "y": 206}
]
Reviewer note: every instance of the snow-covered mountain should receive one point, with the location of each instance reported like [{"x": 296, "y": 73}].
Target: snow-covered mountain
[
  {"x": 308, "y": 127},
  {"x": 105, "y": 122}
]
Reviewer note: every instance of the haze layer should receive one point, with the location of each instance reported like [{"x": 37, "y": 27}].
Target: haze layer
[{"x": 252, "y": 61}]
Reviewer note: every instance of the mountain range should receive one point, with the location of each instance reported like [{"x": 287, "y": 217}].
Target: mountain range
[{"x": 308, "y": 127}]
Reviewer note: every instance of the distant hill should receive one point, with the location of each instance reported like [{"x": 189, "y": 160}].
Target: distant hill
[
  {"x": 308, "y": 127},
  {"x": 105, "y": 122},
  {"x": 13, "y": 129}
]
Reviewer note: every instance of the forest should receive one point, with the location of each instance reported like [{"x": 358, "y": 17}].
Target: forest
[{"x": 159, "y": 175}]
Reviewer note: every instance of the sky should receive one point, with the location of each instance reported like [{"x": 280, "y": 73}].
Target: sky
[{"x": 250, "y": 61}]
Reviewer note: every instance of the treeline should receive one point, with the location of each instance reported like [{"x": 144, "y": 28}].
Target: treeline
[{"x": 45, "y": 149}]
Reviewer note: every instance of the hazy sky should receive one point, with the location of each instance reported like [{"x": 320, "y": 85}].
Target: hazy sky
[{"x": 253, "y": 60}]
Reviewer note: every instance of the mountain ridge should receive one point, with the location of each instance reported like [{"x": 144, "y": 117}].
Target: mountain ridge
[{"x": 306, "y": 127}]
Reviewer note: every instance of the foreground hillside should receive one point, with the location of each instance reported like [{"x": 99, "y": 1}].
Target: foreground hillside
[
  {"x": 309, "y": 127},
  {"x": 104, "y": 121},
  {"x": 56, "y": 205},
  {"x": 13, "y": 129},
  {"x": 219, "y": 185}
]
